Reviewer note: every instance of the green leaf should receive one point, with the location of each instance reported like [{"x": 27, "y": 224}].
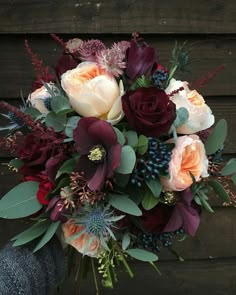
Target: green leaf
[
  {"x": 155, "y": 187},
  {"x": 132, "y": 138},
  {"x": 48, "y": 235},
  {"x": 31, "y": 233},
  {"x": 71, "y": 125},
  {"x": 230, "y": 168},
  {"x": 149, "y": 201},
  {"x": 16, "y": 163},
  {"x": 55, "y": 121},
  {"x": 142, "y": 255},
  {"x": 217, "y": 137},
  {"x": 127, "y": 160},
  {"x": 121, "y": 180},
  {"x": 124, "y": 204},
  {"x": 63, "y": 183},
  {"x": 33, "y": 112},
  {"x": 21, "y": 201},
  {"x": 68, "y": 167},
  {"x": 126, "y": 241},
  {"x": 233, "y": 178},
  {"x": 142, "y": 145},
  {"x": 59, "y": 104},
  {"x": 120, "y": 136},
  {"x": 182, "y": 117},
  {"x": 206, "y": 205},
  {"x": 219, "y": 190}
]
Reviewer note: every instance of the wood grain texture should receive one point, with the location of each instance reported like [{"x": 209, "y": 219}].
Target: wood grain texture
[
  {"x": 123, "y": 16},
  {"x": 207, "y": 54},
  {"x": 211, "y": 276}
]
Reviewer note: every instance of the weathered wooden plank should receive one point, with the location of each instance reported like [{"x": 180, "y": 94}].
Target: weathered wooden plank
[
  {"x": 207, "y": 54},
  {"x": 124, "y": 16}
]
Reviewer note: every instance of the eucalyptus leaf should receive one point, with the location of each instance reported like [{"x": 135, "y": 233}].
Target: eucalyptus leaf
[
  {"x": 127, "y": 160},
  {"x": 31, "y": 233},
  {"x": 67, "y": 167},
  {"x": 182, "y": 117},
  {"x": 21, "y": 201},
  {"x": 120, "y": 136},
  {"x": 149, "y": 201},
  {"x": 71, "y": 125},
  {"x": 219, "y": 190},
  {"x": 230, "y": 168},
  {"x": 33, "y": 112},
  {"x": 155, "y": 186},
  {"x": 124, "y": 204},
  {"x": 57, "y": 122},
  {"x": 60, "y": 103},
  {"x": 16, "y": 163},
  {"x": 132, "y": 138},
  {"x": 47, "y": 235},
  {"x": 142, "y": 146},
  {"x": 233, "y": 178},
  {"x": 216, "y": 139},
  {"x": 142, "y": 255},
  {"x": 126, "y": 241}
]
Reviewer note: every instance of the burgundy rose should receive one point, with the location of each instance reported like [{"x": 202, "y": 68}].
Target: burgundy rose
[
  {"x": 141, "y": 59},
  {"x": 100, "y": 151},
  {"x": 186, "y": 214},
  {"x": 65, "y": 62},
  {"x": 149, "y": 110}
]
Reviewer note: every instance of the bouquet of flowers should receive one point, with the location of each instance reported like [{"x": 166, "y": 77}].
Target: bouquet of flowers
[{"x": 116, "y": 155}]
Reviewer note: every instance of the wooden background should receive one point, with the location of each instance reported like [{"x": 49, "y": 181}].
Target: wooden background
[{"x": 210, "y": 258}]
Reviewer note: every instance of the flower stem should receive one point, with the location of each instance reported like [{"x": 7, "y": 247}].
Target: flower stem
[
  {"x": 123, "y": 260},
  {"x": 172, "y": 72},
  {"x": 94, "y": 276}
]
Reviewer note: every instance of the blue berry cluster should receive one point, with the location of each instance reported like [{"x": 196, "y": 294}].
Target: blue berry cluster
[
  {"x": 16, "y": 120},
  {"x": 159, "y": 78},
  {"x": 155, "y": 162},
  {"x": 155, "y": 242},
  {"x": 47, "y": 103}
]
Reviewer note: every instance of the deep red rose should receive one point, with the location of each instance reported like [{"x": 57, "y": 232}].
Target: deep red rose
[
  {"x": 65, "y": 62},
  {"x": 141, "y": 59},
  {"x": 149, "y": 110}
]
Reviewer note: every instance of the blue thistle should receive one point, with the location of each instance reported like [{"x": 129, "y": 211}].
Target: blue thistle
[
  {"x": 154, "y": 163},
  {"x": 47, "y": 103},
  {"x": 97, "y": 222}
]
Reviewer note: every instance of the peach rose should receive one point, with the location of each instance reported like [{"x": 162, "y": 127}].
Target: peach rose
[
  {"x": 81, "y": 243},
  {"x": 188, "y": 156},
  {"x": 38, "y": 97},
  {"x": 200, "y": 115},
  {"x": 93, "y": 93}
]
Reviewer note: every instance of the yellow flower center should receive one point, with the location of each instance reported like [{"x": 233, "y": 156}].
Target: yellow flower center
[{"x": 97, "y": 153}]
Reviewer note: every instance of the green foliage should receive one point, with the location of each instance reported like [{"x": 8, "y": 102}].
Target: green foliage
[
  {"x": 219, "y": 190},
  {"x": 143, "y": 81},
  {"x": 216, "y": 139},
  {"x": 182, "y": 117},
  {"x": 124, "y": 204},
  {"x": 51, "y": 230},
  {"x": 149, "y": 201},
  {"x": 155, "y": 187},
  {"x": 67, "y": 167},
  {"x": 56, "y": 121},
  {"x": 126, "y": 241},
  {"x": 16, "y": 163},
  {"x": 71, "y": 125},
  {"x": 142, "y": 145},
  {"x": 142, "y": 255},
  {"x": 127, "y": 160},
  {"x": 132, "y": 138},
  {"x": 21, "y": 201},
  {"x": 31, "y": 233},
  {"x": 229, "y": 168},
  {"x": 120, "y": 136},
  {"x": 60, "y": 105},
  {"x": 33, "y": 112}
]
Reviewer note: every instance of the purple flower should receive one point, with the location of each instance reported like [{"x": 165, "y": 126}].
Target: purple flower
[
  {"x": 56, "y": 207},
  {"x": 141, "y": 59},
  {"x": 186, "y": 215},
  {"x": 100, "y": 151}
]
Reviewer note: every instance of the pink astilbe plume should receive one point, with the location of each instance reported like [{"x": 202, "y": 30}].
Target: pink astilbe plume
[
  {"x": 42, "y": 73},
  {"x": 58, "y": 40},
  {"x": 89, "y": 49}
]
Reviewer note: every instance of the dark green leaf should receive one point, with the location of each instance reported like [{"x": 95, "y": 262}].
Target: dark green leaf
[
  {"x": 230, "y": 168},
  {"x": 127, "y": 160},
  {"x": 155, "y": 187},
  {"x": 149, "y": 201},
  {"x": 142, "y": 255},
  {"x": 48, "y": 235},
  {"x": 31, "y": 233},
  {"x": 219, "y": 190},
  {"x": 132, "y": 138},
  {"x": 124, "y": 204},
  {"x": 71, "y": 125},
  {"x": 55, "y": 121},
  {"x": 68, "y": 167},
  {"x": 21, "y": 201},
  {"x": 217, "y": 137}
]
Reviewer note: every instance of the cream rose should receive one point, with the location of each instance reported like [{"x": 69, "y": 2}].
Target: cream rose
[
  {"x": 200, "y": 115},
  {"x": 39, "y": 97},
  {"x": 93, "y": 249},
  {"x": 93, "y": 93},
  {"x": 188, "y": 156}
]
